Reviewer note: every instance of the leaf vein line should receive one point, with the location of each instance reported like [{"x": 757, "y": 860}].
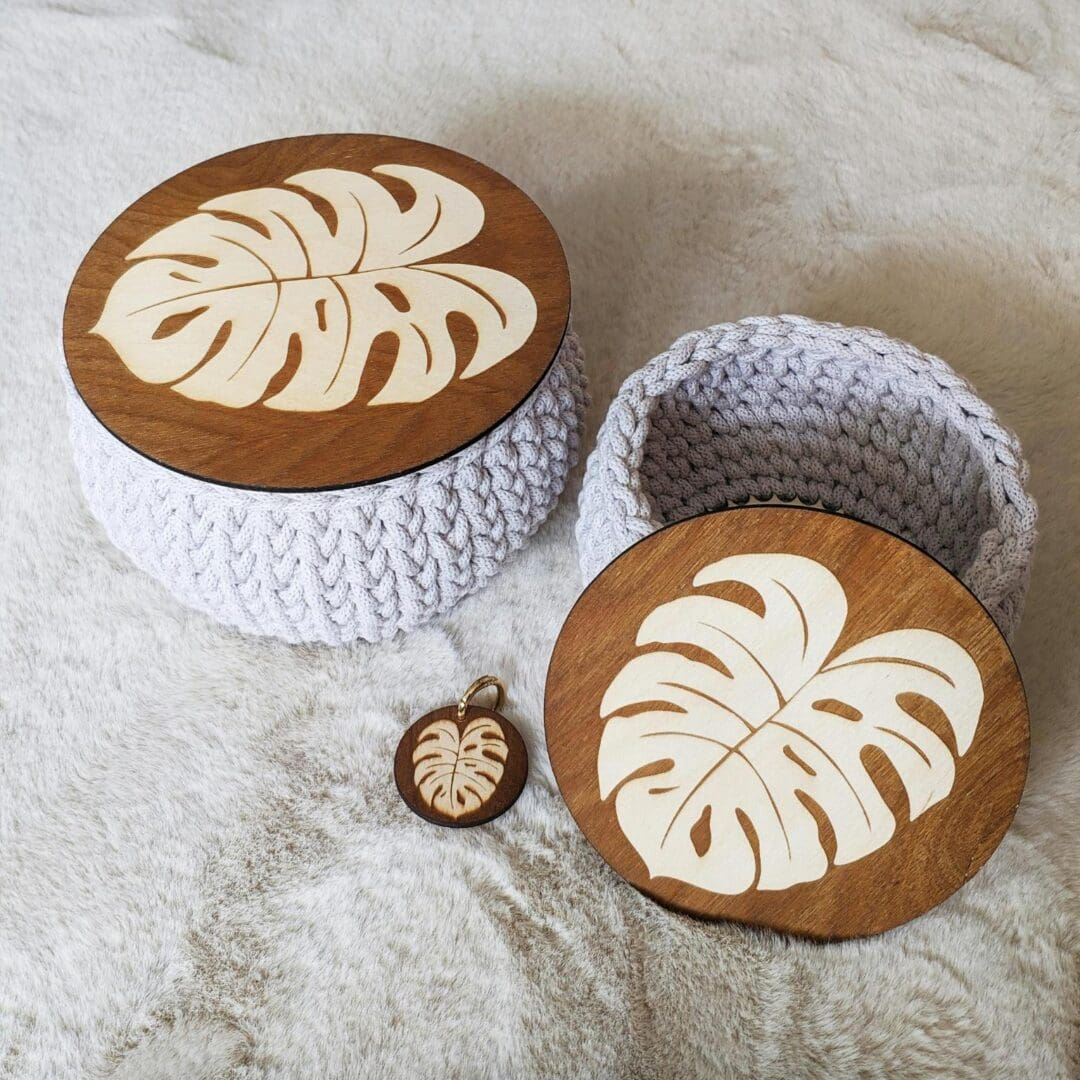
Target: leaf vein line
[
  {"x": 825, "y": 753},
  {"x": 431, "y": 228},
  {"x": 802, "y": 615},
  {"x": 776, "y": 809},
  {"x": 709, "y": 698},
  {"x": 904, "y": 739},
  {"x": 687, "y": 735},
  {"x": 434, "y": 268},
  {"x": 348, "y": 335},
  {"x": 760, "y": 666},
  {"x": 274, "y": 280},
  {"x": 891, "y": 660},
  {"x": 265, "y": 331},
  {"x": 299, "y": 239},
  {"x": 364, "y": 242},
  {"x": 697, "y": 787},
  {"x": 251, "y": 251}
]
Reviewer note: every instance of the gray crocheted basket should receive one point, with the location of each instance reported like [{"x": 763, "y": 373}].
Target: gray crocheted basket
[
  {"x": 359, "y": 563},
  {"x": 791, "y": 409}
]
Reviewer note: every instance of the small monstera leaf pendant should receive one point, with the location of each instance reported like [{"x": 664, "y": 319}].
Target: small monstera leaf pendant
[{"x": 462, "y": 765}]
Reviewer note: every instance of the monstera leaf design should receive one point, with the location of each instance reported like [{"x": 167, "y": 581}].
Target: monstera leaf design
[
  {"x": 214, "y": 301},
  {"x": 456, "y": 771},
  {"x": 694, "y": 751}
]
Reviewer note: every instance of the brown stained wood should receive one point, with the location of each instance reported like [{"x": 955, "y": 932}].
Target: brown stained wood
[
  {"x": 889, "y": 585},
  {"x": 461, "y": 774},
  {"x": 197, "y": 418}
]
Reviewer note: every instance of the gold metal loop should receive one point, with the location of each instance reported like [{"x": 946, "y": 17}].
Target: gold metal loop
[{"x": 481, "y": 684}]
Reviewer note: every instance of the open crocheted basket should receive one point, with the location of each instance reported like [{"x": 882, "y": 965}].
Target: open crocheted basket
[
  {"x": 336, "y": 566},
  {"x": 791, "y": 409}
]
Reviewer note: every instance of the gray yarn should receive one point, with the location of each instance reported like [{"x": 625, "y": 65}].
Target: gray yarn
[
  {"x": 359, "y": 563},
  {"x": 792, "y": 409}
]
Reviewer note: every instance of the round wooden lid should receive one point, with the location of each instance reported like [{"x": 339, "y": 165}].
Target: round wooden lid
[
  {"x": 789, "y": 718},
  {"x": 317, "y": 312}
]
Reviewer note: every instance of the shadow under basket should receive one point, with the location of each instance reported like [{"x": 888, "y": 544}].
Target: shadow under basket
[{"x": 785, "y": 408}]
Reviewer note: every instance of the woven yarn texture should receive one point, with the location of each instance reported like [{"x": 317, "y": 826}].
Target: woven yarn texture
[
  {"x": 791, "y": 409},
  {"x": 336, "y": 566}
]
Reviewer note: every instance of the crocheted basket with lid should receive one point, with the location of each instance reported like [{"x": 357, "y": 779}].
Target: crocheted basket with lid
[
  {"x": 791, "y": 409},
  {"x": 322, "y": 386}
]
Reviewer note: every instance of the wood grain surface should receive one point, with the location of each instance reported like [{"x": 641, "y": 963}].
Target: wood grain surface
[
  {"x": 512, "y": 760},
  {"x": 263, "y": 447},
  {"x": 890, "y": 586}
]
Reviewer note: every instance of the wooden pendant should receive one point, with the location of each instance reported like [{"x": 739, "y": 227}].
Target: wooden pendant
[
  {"x": 788, "y": 718},
  {"x": 317, "y": 312},
  {"x": 462, "y": 765}
]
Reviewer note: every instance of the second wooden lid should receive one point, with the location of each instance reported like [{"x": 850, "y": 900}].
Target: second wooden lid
[{"x": 786, "y": 717}]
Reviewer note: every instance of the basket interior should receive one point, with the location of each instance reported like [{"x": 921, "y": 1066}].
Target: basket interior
[{"x": 796, "y": 430}]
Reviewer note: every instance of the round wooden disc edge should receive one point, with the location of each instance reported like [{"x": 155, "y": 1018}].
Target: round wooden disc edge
[
  {"x": 1004, "y": 821},
  {"x": 345, "y": 485}
]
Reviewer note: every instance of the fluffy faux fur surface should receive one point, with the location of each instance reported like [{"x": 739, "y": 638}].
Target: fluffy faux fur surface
[{"x": 205, "y": 870}]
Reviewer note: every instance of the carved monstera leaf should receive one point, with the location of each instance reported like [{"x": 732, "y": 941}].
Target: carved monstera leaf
[
  {"x": 457, "y": 771},
  {"x": 695, "y": 751},
  {"x": 214, "y": 301}
]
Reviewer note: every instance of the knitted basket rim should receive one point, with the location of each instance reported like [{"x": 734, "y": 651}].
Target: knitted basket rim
[{"x": 785, "y": 407}]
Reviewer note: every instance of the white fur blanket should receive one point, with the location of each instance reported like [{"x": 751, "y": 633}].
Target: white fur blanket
[{"x": 205, "y": 870}]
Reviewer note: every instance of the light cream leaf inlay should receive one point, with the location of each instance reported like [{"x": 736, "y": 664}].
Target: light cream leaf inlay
[
  {"x": 455, "y": 771},
  {"x": 213, "y": 301},
  {"x": 689, "y": 747}
]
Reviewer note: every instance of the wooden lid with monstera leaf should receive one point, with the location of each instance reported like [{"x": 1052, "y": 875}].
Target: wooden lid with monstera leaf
[
  {"x": 788, "y": 718},
  {"x": 317, "y": 312}
]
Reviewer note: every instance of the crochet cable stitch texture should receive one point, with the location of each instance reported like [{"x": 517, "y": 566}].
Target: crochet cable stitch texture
[
  {"x": 332, "y": 567},
  {"x": 791, "y": 409}
]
